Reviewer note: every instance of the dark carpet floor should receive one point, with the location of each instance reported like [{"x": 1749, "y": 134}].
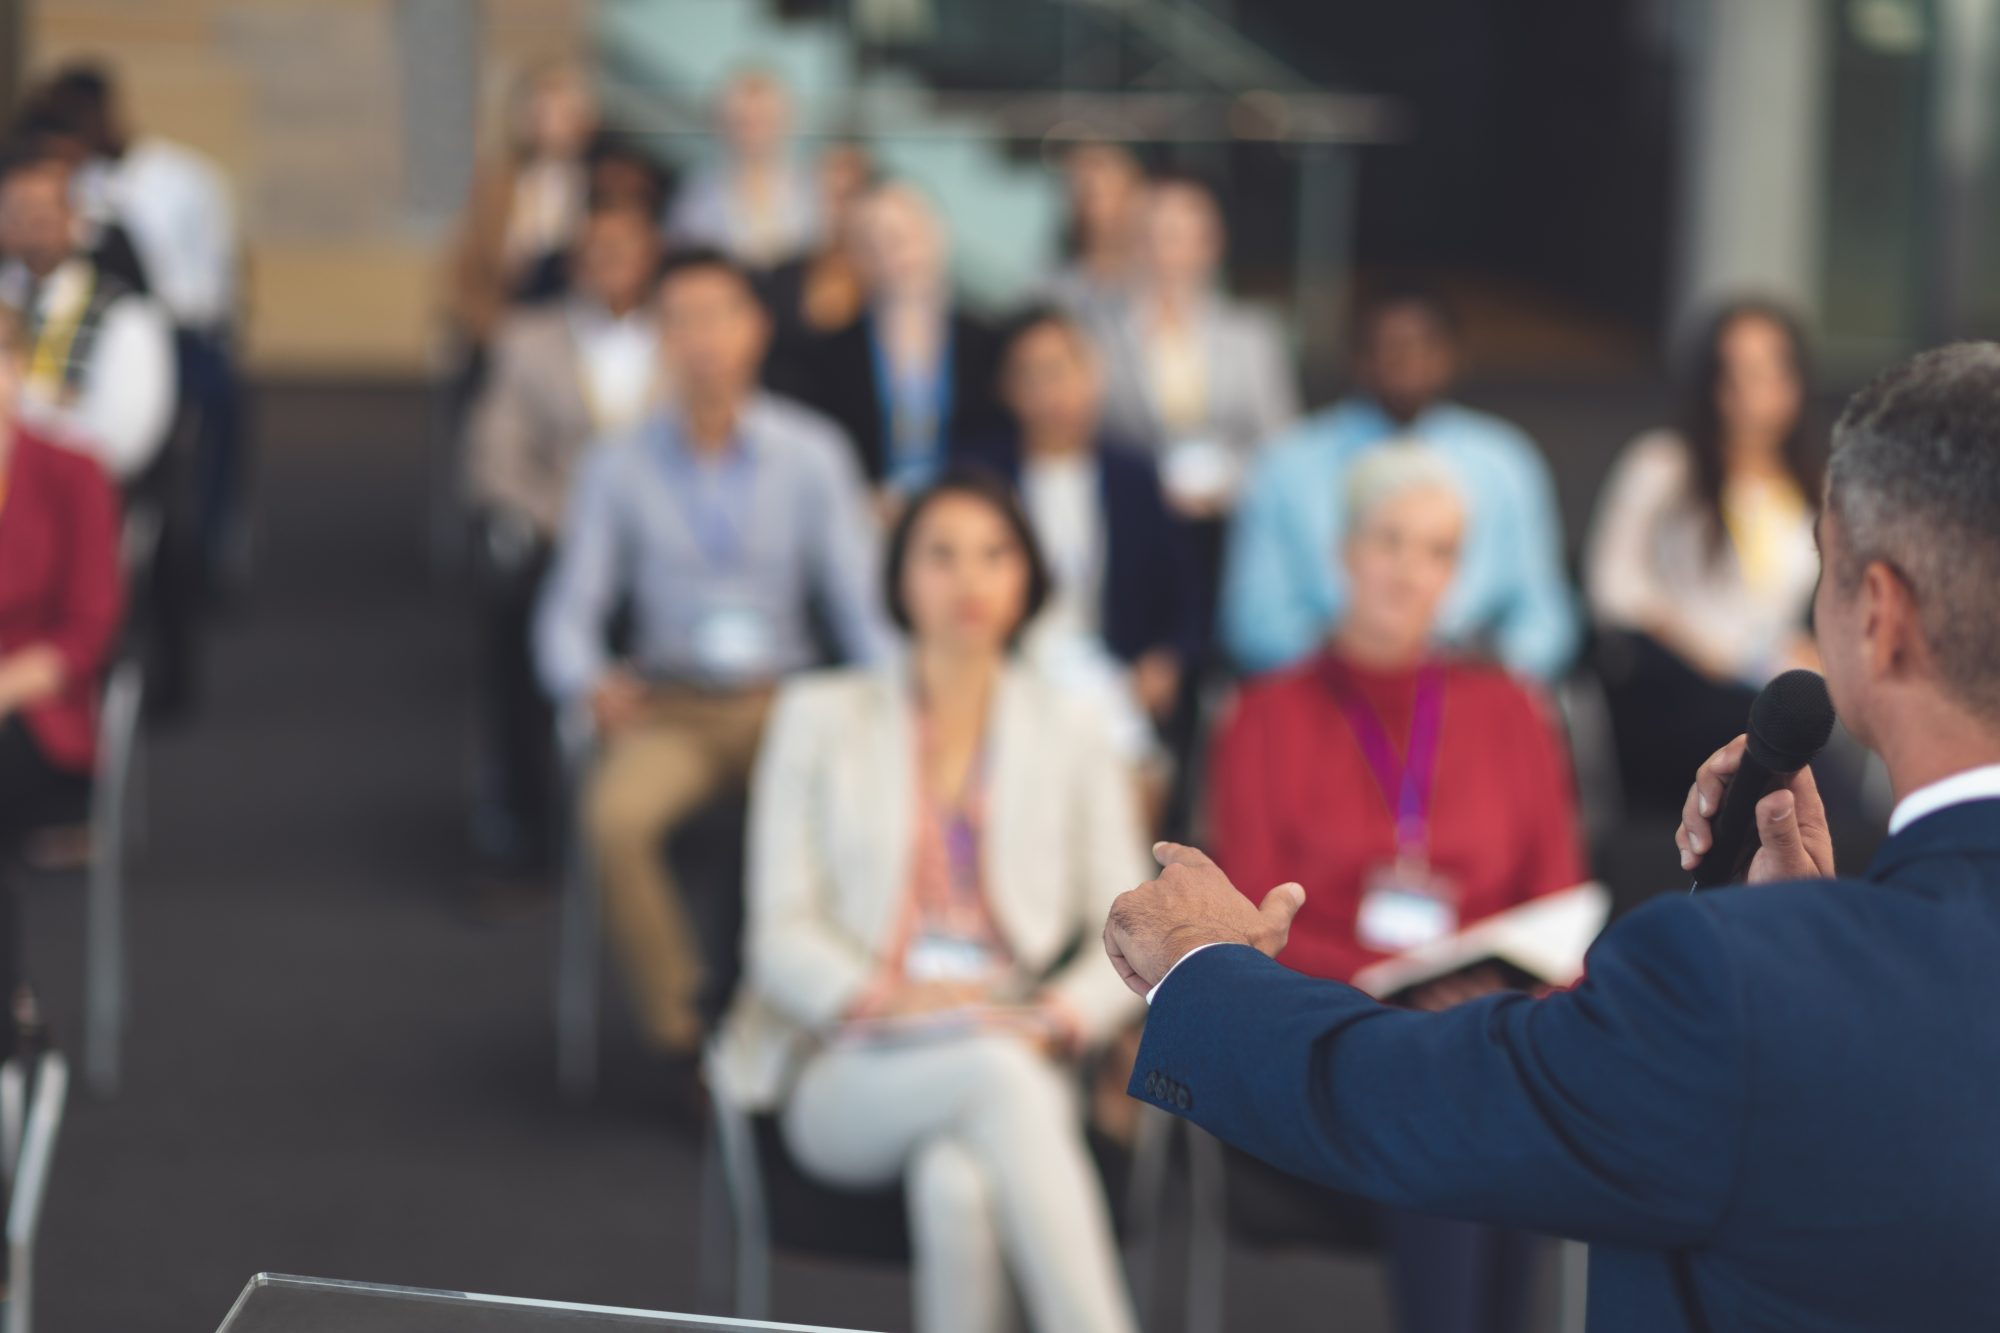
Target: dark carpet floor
[{"x": 334, "y": 1068}]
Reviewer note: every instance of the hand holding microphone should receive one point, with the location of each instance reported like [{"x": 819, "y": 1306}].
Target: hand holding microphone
[{"x": 1754, "y": 811}]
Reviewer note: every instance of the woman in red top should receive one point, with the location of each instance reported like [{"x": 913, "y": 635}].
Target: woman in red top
[
  {"x": 1411, "y": 796},
  {"x": 61, "y": 598}
]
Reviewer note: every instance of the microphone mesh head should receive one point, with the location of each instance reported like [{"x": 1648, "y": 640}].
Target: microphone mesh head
[{"x": 1790, "y": 721}]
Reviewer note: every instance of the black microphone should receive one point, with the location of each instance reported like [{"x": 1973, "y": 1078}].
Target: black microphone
[{"x": 1790, "y": 721}]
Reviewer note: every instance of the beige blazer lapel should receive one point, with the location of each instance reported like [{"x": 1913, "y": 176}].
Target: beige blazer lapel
[
  {"x": 1017, "y": 812},
  {"x": 567, "y": 397},
  {"x": 887, "y": 776}
]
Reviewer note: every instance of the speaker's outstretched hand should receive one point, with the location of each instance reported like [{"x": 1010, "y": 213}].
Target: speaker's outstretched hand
[{"x": 1190, "y": 904}]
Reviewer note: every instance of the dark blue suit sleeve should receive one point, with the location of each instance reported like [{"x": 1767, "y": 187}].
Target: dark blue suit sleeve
[{"x": 1609, "y": 1112}]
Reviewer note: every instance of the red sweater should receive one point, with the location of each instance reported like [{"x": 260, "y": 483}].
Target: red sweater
[
  {"x": 1292, "y": 798},
  {"x": 60, "y": 585}
]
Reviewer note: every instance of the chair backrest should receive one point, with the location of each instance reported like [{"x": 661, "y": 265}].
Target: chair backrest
[
  {"x": 1593, "y": 751},
  {"x": 1269, "y": 1210}
]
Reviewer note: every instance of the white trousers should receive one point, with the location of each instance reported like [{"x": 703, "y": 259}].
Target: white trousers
[{"x": 986, "y": 1135}]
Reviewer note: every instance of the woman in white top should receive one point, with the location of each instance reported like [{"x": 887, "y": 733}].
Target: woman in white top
[
  {"x": 919, "y": 974},
  {"x": 1701, "y": 560}
]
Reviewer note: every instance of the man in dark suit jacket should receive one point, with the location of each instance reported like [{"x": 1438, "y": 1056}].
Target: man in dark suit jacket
[{"x": 1770, "y": 1107}]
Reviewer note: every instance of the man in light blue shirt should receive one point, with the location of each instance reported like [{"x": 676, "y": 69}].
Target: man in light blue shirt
[
  {"x": 1282, "y": 591},
  {"x": 736, "y": 525}
]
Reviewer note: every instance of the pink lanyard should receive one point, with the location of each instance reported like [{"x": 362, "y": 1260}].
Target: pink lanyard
[{"x": 1406, "y": 782}]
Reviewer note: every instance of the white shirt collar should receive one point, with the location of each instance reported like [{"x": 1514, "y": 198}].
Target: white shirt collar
[{"x": 1974, "y": 784}]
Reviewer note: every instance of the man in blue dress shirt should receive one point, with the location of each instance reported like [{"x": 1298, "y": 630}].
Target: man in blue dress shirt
[
  {"x": 1770, "y": 1107},
  {"x": 734, "y": 530},
  {"x": 1281, "y": 588}
]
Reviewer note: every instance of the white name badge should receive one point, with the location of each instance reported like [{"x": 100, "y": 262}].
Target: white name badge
[
  {"x": 733, "y": 642},
  {"x": 1405, "y": 907},
  {"x": 933, "y": 957},
  {"x": 1199, "y": 471}
]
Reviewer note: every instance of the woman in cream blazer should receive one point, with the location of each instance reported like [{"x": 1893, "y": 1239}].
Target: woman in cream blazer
[{"x": 933, "y": 848}]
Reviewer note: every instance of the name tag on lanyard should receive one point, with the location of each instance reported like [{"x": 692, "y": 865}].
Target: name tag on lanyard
[
  {"x": 1404, "y": 904},
  {"x": 914, "y": 411},
  {"x": 731, "y": 637}
]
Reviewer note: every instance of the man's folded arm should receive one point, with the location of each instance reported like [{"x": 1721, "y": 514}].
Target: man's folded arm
[{"x": 1606, "y": 1112}]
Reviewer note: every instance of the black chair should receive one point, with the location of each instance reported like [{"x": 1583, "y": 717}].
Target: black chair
[{"x": 1236, "y": 1200}]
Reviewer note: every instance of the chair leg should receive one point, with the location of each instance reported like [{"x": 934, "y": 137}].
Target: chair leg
[
  {"x": 716, "y": 1249},
  {"x": 1145, "y": 1207},
  {"x": 31, "y": 1175},
  {"x": 104, "y": 944},
  {"x": 1208, "y": 1234},
  {"x": 13, "y": 1113},
  {"x": 1572, "y": 1286},
  {"x": 104, "y": 966},
  {"x": 743, "y": 1182},
  {"x": 579, "y": 952},
  {"x": 138, "y": 798}
]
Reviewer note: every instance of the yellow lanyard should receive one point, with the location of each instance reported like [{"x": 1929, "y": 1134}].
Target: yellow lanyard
[{"x": 48, "y": 364}]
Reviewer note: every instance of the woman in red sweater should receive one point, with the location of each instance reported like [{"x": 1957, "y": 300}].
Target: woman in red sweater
[
  {"x": 61, "y": 598},
  {"x": 1411, "y": 795}
]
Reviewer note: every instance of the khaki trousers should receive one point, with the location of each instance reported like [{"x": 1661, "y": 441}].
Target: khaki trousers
[{"x": 687, "y": 751}]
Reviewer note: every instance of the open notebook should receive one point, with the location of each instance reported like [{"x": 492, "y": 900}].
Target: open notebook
[{"x": 1541, "y": 942}]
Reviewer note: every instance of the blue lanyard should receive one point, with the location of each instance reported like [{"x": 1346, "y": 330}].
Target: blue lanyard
[
  {"x": 714, "y": 499},
  {"x": 910, "y": 451}
]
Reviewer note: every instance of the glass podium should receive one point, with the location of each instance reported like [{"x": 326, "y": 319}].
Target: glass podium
[{"x": 274, "y": 1303}]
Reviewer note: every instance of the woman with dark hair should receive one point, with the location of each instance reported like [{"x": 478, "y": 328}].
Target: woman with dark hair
[
  {"x": 1701, "y": 559},
  {"x": 915, "y": 995}
]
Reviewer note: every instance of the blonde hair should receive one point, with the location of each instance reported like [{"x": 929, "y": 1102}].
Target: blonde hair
[{"x": 1394, "y": 469}]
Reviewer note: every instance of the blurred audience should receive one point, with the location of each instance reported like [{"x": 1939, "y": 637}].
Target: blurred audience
[
  {"x": 42, "y": 126},
  {"x": 821, "y": 290},
  {"x": 1511, "y": 600},
  {"x": 1106, "y": 187},
  {"x": 1121, "y": 626},
  {"x": 1701, "y": 560},
  {"x": 913, "y": 376},
  {"x": 100, "y": 374},
  {"x": 758, "y": 202},
  {"x": 564, "y": 376},
  {"x": 1192, "y": 374},
  {"x": 619, "y": 173},
  {"x": 933, "y": 847},
  {"x": 734, "y": 525},
  {"x": 1411, "y": 795},
  {"x": 61, "y": 600},
  {"x": 524, "y": 208},
  {"x": 177, "y": 207}
]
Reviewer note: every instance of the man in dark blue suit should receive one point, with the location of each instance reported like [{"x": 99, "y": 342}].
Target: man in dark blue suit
[{"x": 1772, "y": 1107}]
